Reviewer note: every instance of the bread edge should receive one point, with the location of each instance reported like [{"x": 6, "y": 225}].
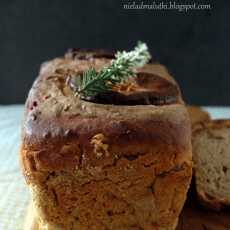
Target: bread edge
[{"x": 212, "y": 203}]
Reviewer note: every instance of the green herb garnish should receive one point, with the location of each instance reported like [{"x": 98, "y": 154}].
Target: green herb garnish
[{"x": 122, "y": 67}]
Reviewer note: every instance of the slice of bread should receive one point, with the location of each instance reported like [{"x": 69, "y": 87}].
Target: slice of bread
[
  {"x": 197, "y": 115},
  {"x": 211, "y": 155}
]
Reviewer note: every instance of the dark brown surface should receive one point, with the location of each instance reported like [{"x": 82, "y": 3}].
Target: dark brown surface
[{"x": 195, "y": 217}]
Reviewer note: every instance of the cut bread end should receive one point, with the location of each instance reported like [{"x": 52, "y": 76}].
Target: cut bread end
[{"x": 211, "y": 155}]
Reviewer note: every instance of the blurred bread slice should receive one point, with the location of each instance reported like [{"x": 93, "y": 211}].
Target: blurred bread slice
[
  {"x": 197, "y": 115},
  {"x": 211, "y": 156}
]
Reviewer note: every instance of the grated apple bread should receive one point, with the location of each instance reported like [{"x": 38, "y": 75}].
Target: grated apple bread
[{"x": 119, "y": 162}]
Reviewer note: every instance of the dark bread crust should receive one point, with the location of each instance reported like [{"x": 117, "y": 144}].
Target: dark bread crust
[
  {"x": 57, "y": 147},
  {"x": 55, "y": 116}
]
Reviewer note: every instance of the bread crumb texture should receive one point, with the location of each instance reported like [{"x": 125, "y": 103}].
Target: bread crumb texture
[
  {"x": 144, "y": 191},
  {"x": 212, "y": 165}
]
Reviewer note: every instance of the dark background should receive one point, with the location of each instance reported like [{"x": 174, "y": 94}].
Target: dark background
[{"x": 193, "y": 45}]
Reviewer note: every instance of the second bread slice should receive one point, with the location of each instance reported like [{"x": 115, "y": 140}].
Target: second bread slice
[{"x": 211, "y": 155}]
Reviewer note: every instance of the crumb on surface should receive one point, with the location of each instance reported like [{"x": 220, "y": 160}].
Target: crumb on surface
[
  {"x": 125, "y": 86},
  {"x": 100, "y": 147}
]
